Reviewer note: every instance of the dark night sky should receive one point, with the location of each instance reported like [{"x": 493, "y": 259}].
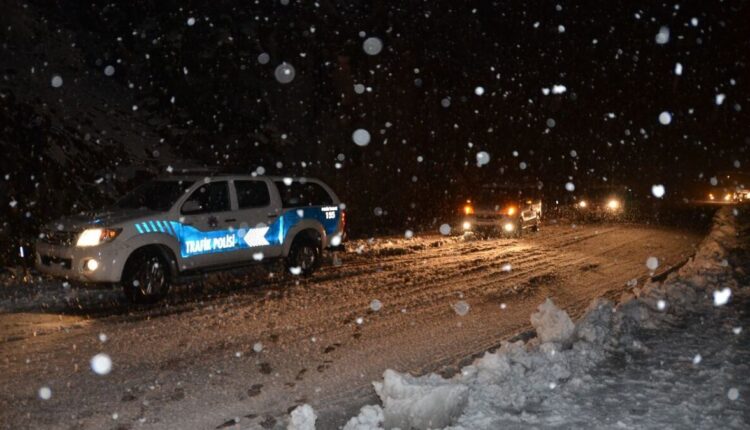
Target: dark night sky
[
  {"x": 607, "y": 57},
  {"x": 230, "y": 111}
]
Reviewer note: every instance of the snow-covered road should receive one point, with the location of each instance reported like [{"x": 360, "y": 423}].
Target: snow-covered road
[{"x": 245, "y": 351}]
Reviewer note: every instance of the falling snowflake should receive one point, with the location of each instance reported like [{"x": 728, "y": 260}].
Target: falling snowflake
[
  {"x": 652, "y": 263},
  {"x": 56, "y": 81},
  {"x": 658, "y": 191},
  {"x": 721, "y": 297},
  {"x": 361, "y": 137},
  {"x": 284, "y": 73},
  {"x": 479, "y": 91},
  {"x": 733, "y": 394},
  {"x": 662, "y": 36},
  {"x": 101, "y": 364},
  {"x": 461, "y": 308},
  {"x": 375, "y": 305},
  {"x": 45, "y": 393},
  {"x": 372, "y": 46},
  {"x": 445, "y": 229},
  {"x": 483, "y": 157},
  {"x": 665, "y": 118}
]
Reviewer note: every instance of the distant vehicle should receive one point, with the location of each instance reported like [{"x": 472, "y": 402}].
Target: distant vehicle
[
  {"x": 497, "y": 210},
  {"x": 601, "y": 204},
  {"x": 728, "y": 196},
  {"x": 172, "y": 227}
]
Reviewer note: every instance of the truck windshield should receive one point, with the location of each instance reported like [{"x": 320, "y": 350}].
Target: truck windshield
[{"x": 154, "y": 195}]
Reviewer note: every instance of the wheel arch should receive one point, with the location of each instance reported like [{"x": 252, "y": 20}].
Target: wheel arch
[
  {"x": 305, "y": 232},
  {"x": 162, "y": 250}
]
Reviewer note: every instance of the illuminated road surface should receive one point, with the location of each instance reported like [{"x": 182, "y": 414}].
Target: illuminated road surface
[{"x": 192, "y": 362}]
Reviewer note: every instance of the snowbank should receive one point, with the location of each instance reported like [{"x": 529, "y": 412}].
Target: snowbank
[
  {"x": 302, "y": 418},
  {"x": 561, "y": 377}
]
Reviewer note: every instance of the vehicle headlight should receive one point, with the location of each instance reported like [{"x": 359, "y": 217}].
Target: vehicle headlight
[
  {"x": 96, "y": 236},
  {"x": 613, "y": 204},
  {"x": 582, "y": 204},
  {"x": 467, "y": 225},
  {"x": 508, "y": 226},
  {"x": 727, "y": 197}
]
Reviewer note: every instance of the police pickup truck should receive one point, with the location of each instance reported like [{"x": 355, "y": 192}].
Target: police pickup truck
[{"x": 176, "y": 226}]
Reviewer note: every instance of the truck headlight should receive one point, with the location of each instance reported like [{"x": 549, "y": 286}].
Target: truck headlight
[
  {"x": 613, "y": 204},
  {"x": 509, "y": 227},
  {"x": 96, "y": 236},
  {"x": 92, "y": 265},
  {"x": 467, "y": 225}
]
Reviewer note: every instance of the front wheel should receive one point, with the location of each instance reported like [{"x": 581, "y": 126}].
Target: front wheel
[
  {"x": 304, "y": 256},
  {"x": 145, "y": 278}
]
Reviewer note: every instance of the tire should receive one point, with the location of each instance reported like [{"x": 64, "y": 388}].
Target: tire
[
  {"x": 535, "y": 229},
  {"x": 519, "y": 228},
  {"x": 146, "y": 277},
  {"x": 304, "y": 254}
]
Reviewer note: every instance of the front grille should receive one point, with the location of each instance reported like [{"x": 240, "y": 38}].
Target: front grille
[
  {"x": 62, "y": 238},
  {"x": 488, "y": 216},
  {"x": 49, "y": 260}
]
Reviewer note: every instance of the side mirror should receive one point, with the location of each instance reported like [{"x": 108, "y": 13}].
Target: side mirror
[{"x": 191, "y": 207}]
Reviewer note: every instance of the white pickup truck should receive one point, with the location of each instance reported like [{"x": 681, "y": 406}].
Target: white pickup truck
[
  {"x": 506, "y": 217},
  {"x": 177, "y": 226}
]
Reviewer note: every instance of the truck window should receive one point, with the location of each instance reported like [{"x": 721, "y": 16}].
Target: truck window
[
  {"x": 210, "y": 197},
  {"x": 303, "y": 194},
  {"x": 252, "y": 194}
]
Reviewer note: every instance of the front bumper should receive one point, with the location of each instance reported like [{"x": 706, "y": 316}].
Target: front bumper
[
  {"x": 70, "y": 262},
  {"x": 488, "y": 224}
]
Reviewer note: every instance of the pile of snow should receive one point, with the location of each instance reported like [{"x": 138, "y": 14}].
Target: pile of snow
[
  {"x": 302, "y": 418},
  {"x": 573, "y": 374},
  {"x": 552, "y": 324}
]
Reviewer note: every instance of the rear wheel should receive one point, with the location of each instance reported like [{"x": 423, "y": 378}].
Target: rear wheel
[
  {"x": 146, "y": 277},
  {"x": 304, "y": 256}
]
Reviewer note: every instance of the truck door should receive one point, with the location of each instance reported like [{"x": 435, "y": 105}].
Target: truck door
[
  {"x": 205, "y": 233},
  {"x": 257, "y": 209}
]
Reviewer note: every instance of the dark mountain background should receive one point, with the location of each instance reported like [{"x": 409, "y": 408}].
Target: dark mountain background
[{"x": 194, "y": 83}]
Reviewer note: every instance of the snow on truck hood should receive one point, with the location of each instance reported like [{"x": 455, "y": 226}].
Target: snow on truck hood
[{"x": 98, "y": 219}]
